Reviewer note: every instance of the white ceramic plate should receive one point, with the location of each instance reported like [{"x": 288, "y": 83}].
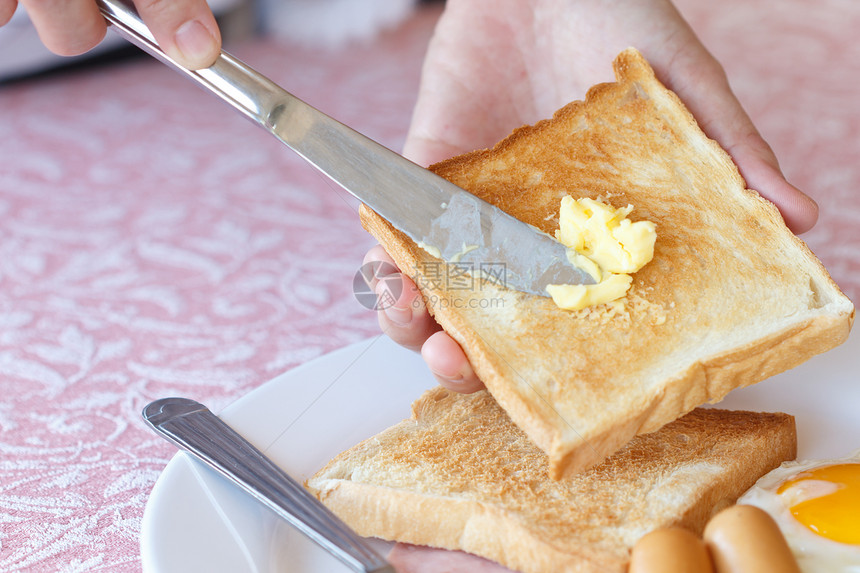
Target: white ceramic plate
[{"x": 196, "y": 521}]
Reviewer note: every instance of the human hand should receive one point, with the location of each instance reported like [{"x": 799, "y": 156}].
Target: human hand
[
  {"x": 408, "y": 323},
  {"x": 489, "y": 71},
  {"x": 185, "y": 29}
]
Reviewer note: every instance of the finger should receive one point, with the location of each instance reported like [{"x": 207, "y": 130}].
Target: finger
[
  {"x": 409, "y": 324},
  {"x": 407, "y": 321},
  {"x": 449, "y": 364},
  {"x": 7, "y": 10},
  {"x": 185, "y": 29},
  {"x": 755, "y": 158},
  {"x": 381, "y": 263},
  {"x": 759, "y": 168},
  {"x": 67, "y": 27},
  {"x": 722, "y": 117}
]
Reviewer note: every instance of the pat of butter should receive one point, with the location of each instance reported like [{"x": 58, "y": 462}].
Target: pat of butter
[
  {"x": 575, "y": 297},
  {"x": 605, "y": 243},
  {"x": 605, "y": 235}
]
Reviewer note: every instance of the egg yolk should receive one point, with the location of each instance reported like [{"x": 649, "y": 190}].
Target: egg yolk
[{"x": 827, "y": 501}]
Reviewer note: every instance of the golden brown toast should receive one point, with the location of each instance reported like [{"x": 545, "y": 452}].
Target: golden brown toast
[
  {"x": 460, "y": 475},
  {"x": 730, "y": 298}
]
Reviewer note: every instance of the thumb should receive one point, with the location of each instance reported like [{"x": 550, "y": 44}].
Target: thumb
[
  {"x": 759, "y": 167},
  {"x": 701, "y": 83},
  {"x": 185, "y": 29}
]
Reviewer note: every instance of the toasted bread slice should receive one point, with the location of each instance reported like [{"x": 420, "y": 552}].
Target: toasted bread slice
[
  {"x": 730, "y": 298},
  {"x": 460, "y": 475}
]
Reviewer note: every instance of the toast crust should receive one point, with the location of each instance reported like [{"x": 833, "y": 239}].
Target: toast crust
[
  {"x": 461, "y": 475},
  {"x": 730, "y": 298}
]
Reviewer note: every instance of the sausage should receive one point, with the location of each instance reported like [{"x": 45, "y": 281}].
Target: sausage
[
  {"x": 746, "y": 539},
  {"x": 670, "y": 550}
]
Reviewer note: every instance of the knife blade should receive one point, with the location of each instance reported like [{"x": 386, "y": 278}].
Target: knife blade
[{"x": 448, "y": 221}]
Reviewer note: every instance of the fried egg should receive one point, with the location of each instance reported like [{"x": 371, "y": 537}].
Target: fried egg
[{"x": 817, "y": 507}]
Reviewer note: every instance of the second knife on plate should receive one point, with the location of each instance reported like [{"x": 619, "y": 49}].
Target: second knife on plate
[
  {"x": 195, "y": 429},
  {"x": 430, "y": 210}
]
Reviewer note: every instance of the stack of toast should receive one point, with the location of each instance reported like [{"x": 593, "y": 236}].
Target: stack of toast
[{"x": 588, "y": 434}]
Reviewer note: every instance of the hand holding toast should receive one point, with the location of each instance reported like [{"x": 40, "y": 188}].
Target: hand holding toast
[
  {"x": 185, "y": 29},
  {"x": 490, "y": 71}
]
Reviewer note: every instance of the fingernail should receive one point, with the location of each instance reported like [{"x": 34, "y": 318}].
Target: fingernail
[
  {"x": 455, "y": 379},
  {"x": 399, "y": 316},
  {"x": 195, "y": 42}
]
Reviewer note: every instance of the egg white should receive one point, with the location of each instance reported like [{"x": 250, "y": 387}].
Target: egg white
[{"x": 814, "y": 553}]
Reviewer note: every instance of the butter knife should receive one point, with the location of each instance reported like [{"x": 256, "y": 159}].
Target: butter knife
[
  {"x": 194, "y": 428},
  {"x": 446, "y": 220}
]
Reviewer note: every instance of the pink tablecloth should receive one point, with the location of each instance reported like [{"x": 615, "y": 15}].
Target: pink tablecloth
[{"x": 154, "y": 243}]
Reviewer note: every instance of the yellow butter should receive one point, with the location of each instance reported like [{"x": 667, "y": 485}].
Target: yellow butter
[
  {"x": 605, "y": 235},
  {"x": 607, "y": 245},
  {"x": 575, "y": 297}
]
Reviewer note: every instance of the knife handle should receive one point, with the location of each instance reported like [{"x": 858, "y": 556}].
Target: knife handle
[
  {"x": 251, "y": 93},
  {"x": 193, "y": 428}
]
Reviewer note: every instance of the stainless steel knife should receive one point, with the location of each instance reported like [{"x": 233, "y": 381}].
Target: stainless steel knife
[
  {"x": 430, "y": 210},
  {"x": 192, "y": 427}
]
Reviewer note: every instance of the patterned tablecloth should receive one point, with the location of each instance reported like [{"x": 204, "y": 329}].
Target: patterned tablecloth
[{"x": 154, "y": 243}]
